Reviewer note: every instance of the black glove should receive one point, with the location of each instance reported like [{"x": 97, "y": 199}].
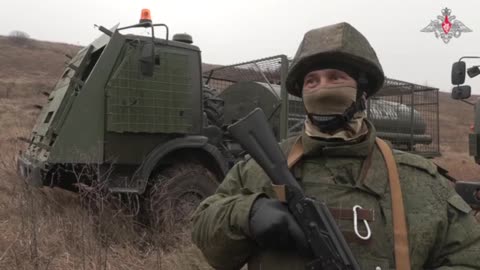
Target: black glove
[{"x": 272, "y": 226}]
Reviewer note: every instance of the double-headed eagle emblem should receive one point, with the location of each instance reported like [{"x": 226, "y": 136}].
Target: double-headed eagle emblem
[{"x": 446, "y": 26}]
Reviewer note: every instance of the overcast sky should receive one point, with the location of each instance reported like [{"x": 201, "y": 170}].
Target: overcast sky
[{"x": 235, "y": 31}]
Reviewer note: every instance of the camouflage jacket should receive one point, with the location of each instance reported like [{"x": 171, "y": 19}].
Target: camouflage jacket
[{"x": 443, "y": 233}]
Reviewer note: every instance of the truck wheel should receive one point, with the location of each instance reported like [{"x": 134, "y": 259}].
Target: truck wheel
[
  {"x": 213, "y": 107},
  {"x": 175, "y": 192}
]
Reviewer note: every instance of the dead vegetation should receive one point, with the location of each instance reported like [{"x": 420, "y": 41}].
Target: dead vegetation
[{"x": 55, "y": 229}]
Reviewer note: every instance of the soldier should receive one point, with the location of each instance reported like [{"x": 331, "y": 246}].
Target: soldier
[{"x": 334, "y": 71}]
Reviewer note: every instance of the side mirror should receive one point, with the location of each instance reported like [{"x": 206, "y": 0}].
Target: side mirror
[
  {"x": 458, "y": 73},
  {"x": 461, "y": 92},
  {"x": 473, "y": 71},
  {"x": 147, "y": 59}
]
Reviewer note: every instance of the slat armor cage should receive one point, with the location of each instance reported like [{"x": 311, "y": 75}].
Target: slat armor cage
[{"x": 406, "y": 114}]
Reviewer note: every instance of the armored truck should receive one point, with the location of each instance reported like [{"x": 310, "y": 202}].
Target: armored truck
[{"x": 130, "y": 112}]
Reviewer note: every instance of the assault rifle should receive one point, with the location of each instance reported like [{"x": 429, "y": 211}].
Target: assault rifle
[{"x": 328, "y": 246}]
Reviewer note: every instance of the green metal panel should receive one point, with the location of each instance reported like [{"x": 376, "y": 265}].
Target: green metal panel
[
  {"x": 59, "y": 102},
  {"x": 68, "y": 97},
  {"x": 62, "y": 92},
  {"x": 131, "y": 148},
  {"x": 81, "y": 137},
  {"x": 158, "y": 104},
  {"x": 65, "y": 91}
]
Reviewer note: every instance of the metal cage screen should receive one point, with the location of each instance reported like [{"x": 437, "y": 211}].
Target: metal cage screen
[{"x": 403, "y": 113}]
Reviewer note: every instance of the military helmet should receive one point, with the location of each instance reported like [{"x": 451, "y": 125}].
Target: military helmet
[{"x": 338, "y": 46}]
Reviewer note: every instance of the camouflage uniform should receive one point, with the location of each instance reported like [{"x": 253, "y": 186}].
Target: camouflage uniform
[{"x": 443, "y": 233}]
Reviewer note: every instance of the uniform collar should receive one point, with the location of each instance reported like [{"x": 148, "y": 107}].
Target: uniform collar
[
  {"x": 376, "y": 180},
  {"x": 340, "y": 148}
]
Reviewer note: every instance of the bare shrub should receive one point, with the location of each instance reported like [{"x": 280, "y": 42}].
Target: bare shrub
[{"x": 20, "y": 38}]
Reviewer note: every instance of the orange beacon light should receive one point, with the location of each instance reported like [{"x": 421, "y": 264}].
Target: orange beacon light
[{"x": 145, "y": 16}]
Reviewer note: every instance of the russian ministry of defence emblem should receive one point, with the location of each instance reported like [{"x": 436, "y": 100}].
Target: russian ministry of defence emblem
[{"x": 446, "y": 26}]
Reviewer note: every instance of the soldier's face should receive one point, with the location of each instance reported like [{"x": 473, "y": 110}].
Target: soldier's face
[{"x": 325, "y": 78}]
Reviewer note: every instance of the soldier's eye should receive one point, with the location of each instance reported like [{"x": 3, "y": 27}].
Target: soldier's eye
[
  {"x": 334, "y": 77},
  {"x": 339, "y": 77},
  {"x": 309, "y": 81}
]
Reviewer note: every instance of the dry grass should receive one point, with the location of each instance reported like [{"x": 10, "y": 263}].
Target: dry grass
[{"x": 52, "y": 229}]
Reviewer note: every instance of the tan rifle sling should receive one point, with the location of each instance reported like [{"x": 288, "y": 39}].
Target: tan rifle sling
[{"x": 402, "y": 255}]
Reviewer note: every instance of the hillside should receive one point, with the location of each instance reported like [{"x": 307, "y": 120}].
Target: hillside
[
  {"x": 455, "y": 120},
  {"x": 42, "y": 225},
  {"x": 31, "y": 68}
]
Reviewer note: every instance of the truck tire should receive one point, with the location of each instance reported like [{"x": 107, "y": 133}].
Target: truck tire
[
  {"x": 213, "y": 107},
  {"x": 175, "y": 192}
]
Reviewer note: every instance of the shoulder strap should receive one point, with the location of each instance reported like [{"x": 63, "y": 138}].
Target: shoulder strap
[
  {"x": 402, "y": 255},
  {"x": 296, "y": 152}
]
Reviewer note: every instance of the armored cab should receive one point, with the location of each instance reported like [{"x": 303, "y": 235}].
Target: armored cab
[{"x": 133, "y": 109}]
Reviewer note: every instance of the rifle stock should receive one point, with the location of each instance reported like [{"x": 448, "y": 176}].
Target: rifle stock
[
  {"x": 254, "y": 134},
  {"x": 328, "y": 246}
]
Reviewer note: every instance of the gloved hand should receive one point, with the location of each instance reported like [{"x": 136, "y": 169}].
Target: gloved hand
[{"x": 273, "y": 226}]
